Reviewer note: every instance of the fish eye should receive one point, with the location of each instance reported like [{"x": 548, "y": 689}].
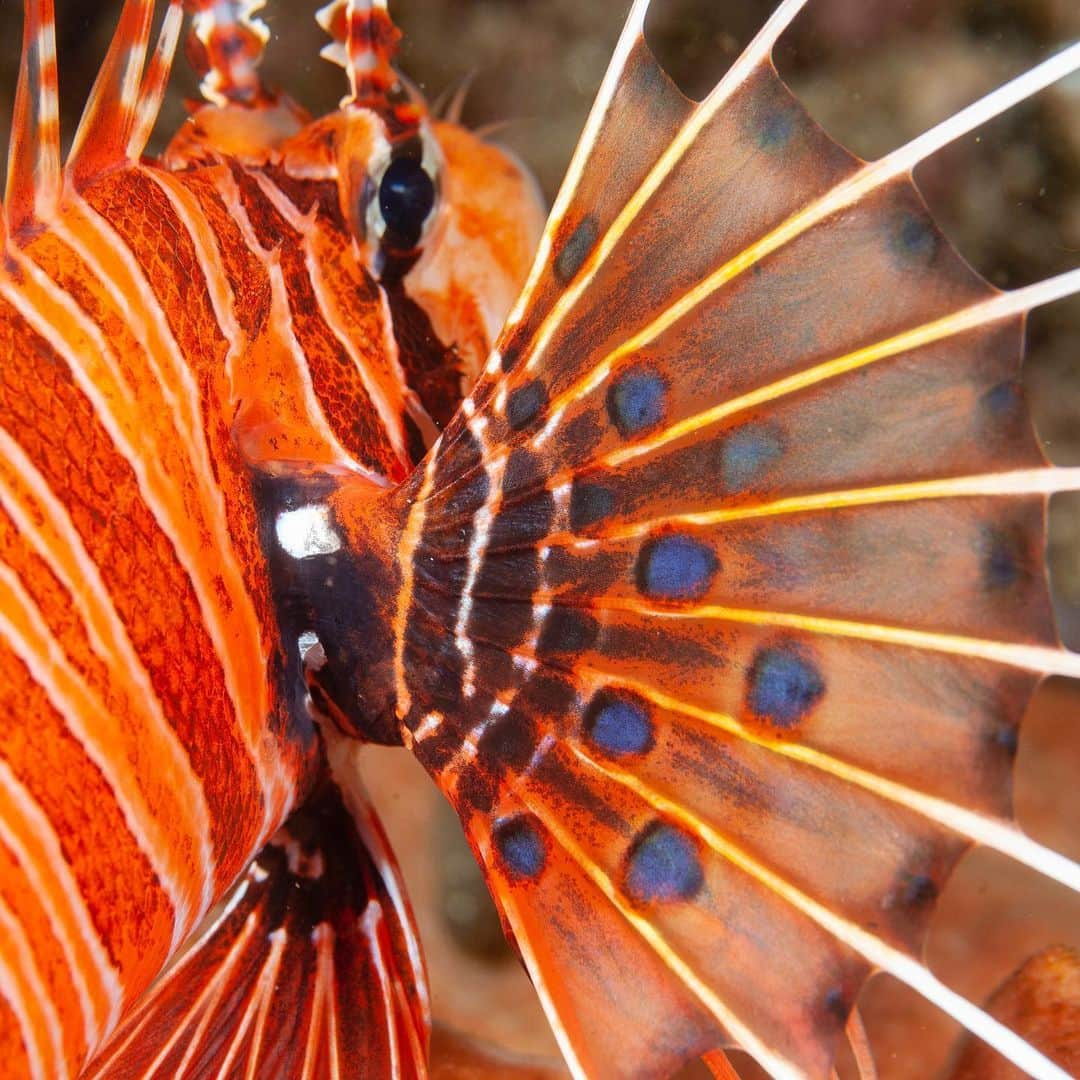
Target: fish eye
[
  {"x": 406, "y": 202},
  {"x": 402, "y": 203}
]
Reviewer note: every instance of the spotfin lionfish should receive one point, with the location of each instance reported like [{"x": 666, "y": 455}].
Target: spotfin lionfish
[{"x": 712, "y": 607}]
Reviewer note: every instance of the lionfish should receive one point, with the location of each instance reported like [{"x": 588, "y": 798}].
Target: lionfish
[{"x": 712, "y": 606}]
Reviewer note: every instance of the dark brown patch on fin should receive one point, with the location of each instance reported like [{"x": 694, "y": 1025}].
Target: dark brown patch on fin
[{"x": 576, "y": 250}]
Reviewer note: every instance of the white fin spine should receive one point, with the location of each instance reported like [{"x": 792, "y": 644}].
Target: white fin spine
[
  {"x": 105, "y": 130},
  {"x": 156, "y": 81},
  {"x": 33, "y": 179}
]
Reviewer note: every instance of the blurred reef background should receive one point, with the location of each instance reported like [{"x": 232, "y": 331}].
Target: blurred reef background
[{"x": 875, "y": 73}]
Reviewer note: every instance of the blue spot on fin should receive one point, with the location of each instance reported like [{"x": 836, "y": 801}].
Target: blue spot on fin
[
  {"x": 520, "y": 846},
  {"x": 636, "y": 401},
  {"x": 619, "y": 724},
  {"x": 784, "y": 685},
  {"x": 746, "y": 454},
  {"x": 663, "y": 864},
  {"x": 676, "y": 567}
]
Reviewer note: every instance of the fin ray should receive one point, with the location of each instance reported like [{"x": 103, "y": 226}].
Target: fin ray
[
  {"x": 156, "y": 81},
  {"x": 104, "y": 133},
  {"x": 740, "y": 533},
  {"x": 880, "y": 954},
  {"x": 303, "y": 967},
  {"x": 33, "y": 174}
]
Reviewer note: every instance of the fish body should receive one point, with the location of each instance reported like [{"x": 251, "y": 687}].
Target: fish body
[
  {"x": 188, "y": 342},
  {"x": 299, "y": 450}
]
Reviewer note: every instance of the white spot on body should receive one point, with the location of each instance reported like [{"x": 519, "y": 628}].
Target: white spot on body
[
  {"x": 306, "y": 532},
  {"x": 312, "y": 654}
]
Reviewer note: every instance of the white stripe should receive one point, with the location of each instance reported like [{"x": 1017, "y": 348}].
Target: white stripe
[
  {"x": 109, "y": 639},
  {"x": 9, "y": 992},
  {"x": 247, "y": 693},
  {"x": 263, "y": 987},
  {"x": 77, "y": 704},
  {"x": 390, "y": 417},
  {"x": 411, "y": 538},
  {"x": 281, "y": 327},
  {"x": 274, "y": 777},
  {"x": 320, "y": 937},
  {"x": 306, "y": 226},
  {"x": 206, "y": 998},
  {"x": 482, "y": 523},
  {"x": 21, "y": 806},
  {"x": 93, "y": 1023},
  {"x": 155, "y": 488},
  {"x": 278, "y": 939},
  {"x": 22, "y": 956},
  {"x": 370, "y": 923},
  {"x": 142, "y": 314}
]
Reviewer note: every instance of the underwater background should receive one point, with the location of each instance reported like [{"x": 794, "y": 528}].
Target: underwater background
[{"x": 874, "y": 73}]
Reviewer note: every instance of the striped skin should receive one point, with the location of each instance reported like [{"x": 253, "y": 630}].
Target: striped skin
[
  {"x": 167, "y": 337},
  {"x": 137, "y": 630},
  {"x": 165, "y": 334}
]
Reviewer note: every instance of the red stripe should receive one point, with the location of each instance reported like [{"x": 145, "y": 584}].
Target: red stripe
[
  {"x": 12, "y": 1047},
  {"x": 59, "y": 431},
  {"x": 246, "y": 274},
  {"x": 122, "y": 893},
  {"x": 49, "y": 958},
  {"x": 141, "y": 214},
  {"x": 337, "y": 383}
]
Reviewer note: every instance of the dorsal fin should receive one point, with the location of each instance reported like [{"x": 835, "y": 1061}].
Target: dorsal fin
[
  {"x": 226, "y": 47},
  {"x": 123, "y": 106},
  {"x": 33, "y": 180},
  {"x": 156, "y": 81},
  {"x": 365, "y": 40}
]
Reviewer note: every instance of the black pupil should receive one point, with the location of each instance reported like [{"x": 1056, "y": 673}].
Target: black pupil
[{"x": 406, "y": 197}]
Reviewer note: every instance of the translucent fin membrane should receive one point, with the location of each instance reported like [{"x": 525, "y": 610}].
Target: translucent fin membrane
[{"x": 740, "y": 538}]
